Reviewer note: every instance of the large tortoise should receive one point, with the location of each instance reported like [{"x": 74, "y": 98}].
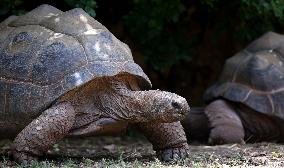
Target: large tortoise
[
  {"x": 246, "y": 104},
  {"x": 64, "y": 74}
]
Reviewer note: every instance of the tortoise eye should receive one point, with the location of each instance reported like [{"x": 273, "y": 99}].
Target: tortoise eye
[
  {"x": 22, "y": 37},
  {"x": 176, "y": 105}
]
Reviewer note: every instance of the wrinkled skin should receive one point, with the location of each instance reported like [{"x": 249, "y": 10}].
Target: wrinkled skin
[
  {"x": 106, "y": 106},
  {"x": 226, "y": 126},
  {"x": 168, "y": 139}
]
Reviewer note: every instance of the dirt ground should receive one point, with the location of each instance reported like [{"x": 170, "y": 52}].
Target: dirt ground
[{"x": 133, "y": 149}]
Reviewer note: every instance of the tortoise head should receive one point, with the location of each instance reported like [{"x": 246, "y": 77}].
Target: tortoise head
[{"x": 161, "y": 106}]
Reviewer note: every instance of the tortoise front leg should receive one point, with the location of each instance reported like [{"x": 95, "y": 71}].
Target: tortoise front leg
[
  {"x": 168, "y": 139},
  {"x": 226, "y": 126},
  {"x": 51, "y": 126}
]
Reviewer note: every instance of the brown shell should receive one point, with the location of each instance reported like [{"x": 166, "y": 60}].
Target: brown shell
[
  {"x": 46, "y": 53},
  {"x": 255, "y": 76}
]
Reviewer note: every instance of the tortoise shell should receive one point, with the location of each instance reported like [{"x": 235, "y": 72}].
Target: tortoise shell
[
  {"x": 46, "y": 53},
  {"x": 254, "y": 76}
]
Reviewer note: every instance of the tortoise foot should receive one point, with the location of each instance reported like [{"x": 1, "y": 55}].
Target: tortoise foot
[
  {"x": 173, "y": 153},
  {"x": 226, "y": 135}
]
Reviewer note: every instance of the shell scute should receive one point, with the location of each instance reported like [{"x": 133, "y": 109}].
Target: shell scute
[
  {"x": 35, "y": 16},
  {"x": 100, "y": 45},
  {"x": 72, "y": 22},
  {"x": 56, "y": 58}
]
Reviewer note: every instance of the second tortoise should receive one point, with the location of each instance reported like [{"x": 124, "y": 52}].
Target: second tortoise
[{"x": 246, "y": 103}]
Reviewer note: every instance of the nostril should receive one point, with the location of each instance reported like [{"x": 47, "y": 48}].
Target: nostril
[{"x": 176, "y": 105}]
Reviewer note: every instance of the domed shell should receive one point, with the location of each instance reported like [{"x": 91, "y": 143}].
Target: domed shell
[
  {"x": 255, "y": 76},
  {"x": 46, "y": 53}
]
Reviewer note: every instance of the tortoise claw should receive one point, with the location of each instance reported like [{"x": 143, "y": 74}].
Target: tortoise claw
[{"x": 171, "y": 154}]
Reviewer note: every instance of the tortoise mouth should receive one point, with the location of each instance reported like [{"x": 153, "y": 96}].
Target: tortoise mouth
[
  {"x": 172, "y": 118},
  {"x": 180, "y": 115}
]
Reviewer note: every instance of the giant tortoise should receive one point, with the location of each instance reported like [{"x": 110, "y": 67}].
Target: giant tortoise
[
  {"x": 64, "y": 74},
  {"x": 245, "y": 104}
]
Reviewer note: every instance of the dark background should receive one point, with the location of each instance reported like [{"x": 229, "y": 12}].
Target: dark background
[{"x": 180, "y": 44}]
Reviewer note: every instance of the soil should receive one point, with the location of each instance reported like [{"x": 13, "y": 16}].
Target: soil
[{"x": 138, "y": 148}]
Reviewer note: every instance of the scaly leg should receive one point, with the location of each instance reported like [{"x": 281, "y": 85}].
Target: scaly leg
[
  {"x": 51, "y": 126},
  {"x": 168, "y": 139},
  {"x": 226, "y": 125}
]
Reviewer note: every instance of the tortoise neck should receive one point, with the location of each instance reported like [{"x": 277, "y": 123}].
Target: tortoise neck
[{"x": 121, "y": 103}]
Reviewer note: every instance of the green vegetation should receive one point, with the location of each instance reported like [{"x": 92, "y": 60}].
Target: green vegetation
[
  {"x": 88, "y": 5},
  {"x": 11, "y": 6},
  {"x": 155, "y": 26},
  {"x": 248, "y": 18},
  {"x": 198, "y": 162}
]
